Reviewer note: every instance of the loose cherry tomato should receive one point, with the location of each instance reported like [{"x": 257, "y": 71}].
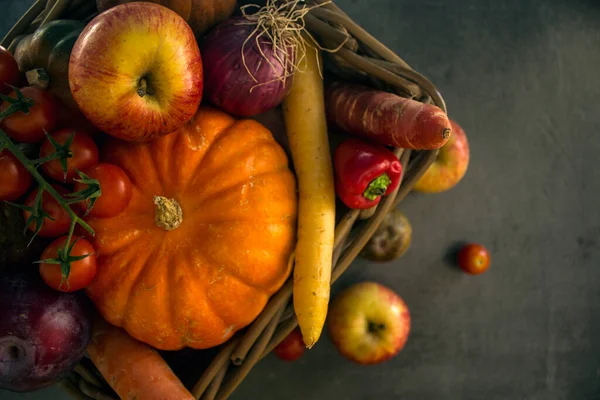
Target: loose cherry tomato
[
  {"x": 81, "y": 273},
  {"x": 61, "y": 221},
  {"x": 14, "y": 178},
  {"x": 116, "y": 190},
  {"x": 474, "y": 259},
  {"x": 42, "y": 117},
  {"x": 292, "y": 347},
  {"x": 9, "y": 71},
  {"x": 84, "y": 154}
]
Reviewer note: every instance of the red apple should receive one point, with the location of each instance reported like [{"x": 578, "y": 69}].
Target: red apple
[
  {"x": 136, "y": 71},
  {"x": 450, "y": 166},
  {"x": 368, "y": 323}
]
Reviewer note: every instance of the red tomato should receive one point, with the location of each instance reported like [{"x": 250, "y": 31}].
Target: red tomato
[
  {"x": 42, "y": 117},
  {"x": 474, "y": 259},
  {"x": 66, "y": 117},
  {"x": 14, "y": 178},
  {"x": 9, "y": 71},
  {"x": 292, "y": 347},
  {"x": 84, "y": 154},
  {"x": 61, "y": 220},
  {"x": 116, "y": 190},
  {"x": 82, "y": 272}
]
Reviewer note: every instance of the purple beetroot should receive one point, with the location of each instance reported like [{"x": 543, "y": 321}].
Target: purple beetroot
[{"x": 43, "y": 332}]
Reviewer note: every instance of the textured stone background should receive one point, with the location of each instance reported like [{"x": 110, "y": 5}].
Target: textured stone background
[{"x": 522, "y": 78}]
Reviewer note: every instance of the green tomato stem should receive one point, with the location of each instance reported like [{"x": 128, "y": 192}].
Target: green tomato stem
[
  {"x": 23, "y": 104},
  {"x": 7, "y": 144}
]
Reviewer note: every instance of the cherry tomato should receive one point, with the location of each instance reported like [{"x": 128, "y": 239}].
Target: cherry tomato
[
  {"x": 84, "y": 154},
  {"x": 42, "y": 117},
  {"x": 14, "y": 178},
  {"x": 82, "y": 272},
  {"x": 116, "y": 190},
  {"x": 61, "y": 220},
  {"x": 474, "y": 259},
  {"x": 9, "y": 71},
  {"x": 292, "y": 347},
  {"x": 67, "y": 117}
]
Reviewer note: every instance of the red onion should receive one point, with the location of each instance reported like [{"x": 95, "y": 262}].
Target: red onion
[{"x": 245, "y": 76}]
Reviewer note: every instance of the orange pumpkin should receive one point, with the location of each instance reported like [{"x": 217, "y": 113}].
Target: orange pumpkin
[
  {"x": 201, "y": 15},
  {"x": 206, "y": 238}
]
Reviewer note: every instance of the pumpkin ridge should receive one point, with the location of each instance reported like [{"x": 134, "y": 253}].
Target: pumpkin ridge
[
  {"x": 204, "y": 197},
  {"x": 139, "y": 236},
  {"x": 215, "y": 305},
  {"x": 266, "y": 286},
  {"x": 156, "y": 152},
  {"x": 259, "y": 194},
  {"x": 169, "y": 264},
  {"x": 242, "y": 151},
  {"x": 235, "y": 274},
  {"x": 113, "y": 278},
  {"x": 208, "y": 177},
  {"x": 189, "y": 265},
  {"x": 128, "y": 156},
  {"x": 189, "y": 135},
  {"x": 130, "y": 305}
]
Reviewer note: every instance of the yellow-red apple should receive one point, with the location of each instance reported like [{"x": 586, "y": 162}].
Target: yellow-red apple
[
  {"x": 450, "y": 166},
  {"x": 368, "y": 323},
  {"x": 136, "y": 71}
]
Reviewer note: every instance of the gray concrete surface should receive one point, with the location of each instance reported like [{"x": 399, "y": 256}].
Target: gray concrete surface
[{"x": 522, "y": 77}]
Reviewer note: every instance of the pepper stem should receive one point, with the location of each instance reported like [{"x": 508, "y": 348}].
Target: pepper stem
[
  {"x": 377, "y": 187},
  {"x": 168, "y": 213}
]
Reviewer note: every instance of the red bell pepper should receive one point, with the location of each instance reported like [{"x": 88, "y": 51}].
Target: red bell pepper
[{"x": 364, "y": 172}]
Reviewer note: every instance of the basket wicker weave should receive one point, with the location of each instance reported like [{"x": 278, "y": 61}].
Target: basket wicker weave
[{"x": 359, "y": 57}]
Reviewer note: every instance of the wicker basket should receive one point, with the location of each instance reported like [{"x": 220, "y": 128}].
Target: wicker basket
[{"x": 360, "y": 58}]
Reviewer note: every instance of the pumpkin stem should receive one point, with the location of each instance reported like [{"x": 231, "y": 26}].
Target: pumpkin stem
[{"x": 168, "y": 213}]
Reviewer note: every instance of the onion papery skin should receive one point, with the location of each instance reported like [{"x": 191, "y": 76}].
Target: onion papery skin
[{"x": 228, "y": 85}]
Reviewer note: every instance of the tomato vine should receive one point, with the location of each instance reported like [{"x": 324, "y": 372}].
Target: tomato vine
[{"x": 89, "y": 194}]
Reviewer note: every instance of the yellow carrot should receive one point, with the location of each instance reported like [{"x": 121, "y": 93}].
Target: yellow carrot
[{"x": 306, "y": 126}]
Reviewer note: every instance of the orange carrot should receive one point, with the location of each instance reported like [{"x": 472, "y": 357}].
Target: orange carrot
[
  {"x": 386, "y": 118},
  {"x": 133, "y": 369}
]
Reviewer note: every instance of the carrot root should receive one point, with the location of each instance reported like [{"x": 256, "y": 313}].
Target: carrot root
[
  {"x": 386, "y": 118},
  {"x": 133, "y": 369}
]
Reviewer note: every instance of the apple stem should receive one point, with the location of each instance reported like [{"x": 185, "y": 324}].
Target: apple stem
[
  {"x": 143, "y": 88},
  {"x": 376, "y": 328}
]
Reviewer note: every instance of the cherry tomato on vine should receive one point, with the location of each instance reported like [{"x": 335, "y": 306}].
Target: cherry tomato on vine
[
  {"x": 474, "y": 259},
  {"x": 14, "y": 177},
  {"x": 42, "y": 116},
  {"x": 84, "y": 154},
  {"x": 61, "y": 220},
  {"x": 9, "y": 71},
  {"x": 292, "y": 347},
  {"x": 116, "y": 190},
  {"x": 81, "y": 273}
]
